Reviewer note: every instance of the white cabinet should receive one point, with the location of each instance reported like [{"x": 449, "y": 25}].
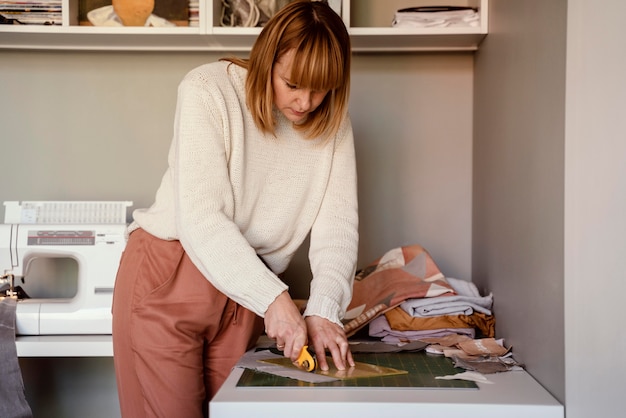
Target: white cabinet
[{"x": 368, "y": 21}]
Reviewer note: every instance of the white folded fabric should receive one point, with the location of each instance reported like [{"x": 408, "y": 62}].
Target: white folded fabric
[
  {"x": 465, "y": 302},
  {"x": 468, "y": 18}
]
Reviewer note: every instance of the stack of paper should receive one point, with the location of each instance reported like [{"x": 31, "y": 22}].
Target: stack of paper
[{"x": 40, "y": 12}]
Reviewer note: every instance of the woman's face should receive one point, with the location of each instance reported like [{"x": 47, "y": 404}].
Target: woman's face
[{"x": 293, "y": 101}]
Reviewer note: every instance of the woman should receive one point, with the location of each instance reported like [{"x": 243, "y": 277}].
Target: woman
[{"x": 262, "y": 155}]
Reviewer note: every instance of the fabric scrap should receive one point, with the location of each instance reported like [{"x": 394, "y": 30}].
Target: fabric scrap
[
  {"x": 469, "y": 375},
  {"x": 486, "y": 364},
  {"x": 484, "y": 346},
  {"x": 12, "y": 392}
]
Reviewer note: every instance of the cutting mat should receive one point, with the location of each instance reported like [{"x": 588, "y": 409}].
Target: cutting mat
[{"x": 421, "y": 367}]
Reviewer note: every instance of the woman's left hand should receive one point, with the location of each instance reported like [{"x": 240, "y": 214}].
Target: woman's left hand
[{"x": 324, "y": 334}]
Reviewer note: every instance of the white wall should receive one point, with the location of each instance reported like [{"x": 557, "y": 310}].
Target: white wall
[
  {"x": 97, "y": 125},
  {"x": 518, "y": 180},
  {"x": 81, "y": 126},
  {"x": 550, "y": 193},
  {"x": 595, "y": 209}
]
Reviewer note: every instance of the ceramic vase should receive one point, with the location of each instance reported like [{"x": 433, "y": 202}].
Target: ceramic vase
[{"x": 133, "y": 12}]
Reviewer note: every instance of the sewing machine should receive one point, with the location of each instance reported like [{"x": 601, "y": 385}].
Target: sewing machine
[{"x": 60, "y": 260}]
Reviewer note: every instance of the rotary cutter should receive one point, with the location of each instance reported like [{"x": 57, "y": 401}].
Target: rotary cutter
[{"x": 306, "y": 360}]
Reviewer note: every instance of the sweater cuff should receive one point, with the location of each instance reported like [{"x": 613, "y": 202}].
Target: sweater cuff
[
  {"x": 325, "y": 308},
  {"x": 259, "y": 301}
]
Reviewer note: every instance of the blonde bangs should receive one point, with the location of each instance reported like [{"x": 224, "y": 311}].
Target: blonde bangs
[
  {"x": 317, "y": 66},
  {"x": 321, "y": 62}
]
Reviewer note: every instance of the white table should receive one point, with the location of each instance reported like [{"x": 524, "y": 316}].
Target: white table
[{"x": 512, "y": 395}]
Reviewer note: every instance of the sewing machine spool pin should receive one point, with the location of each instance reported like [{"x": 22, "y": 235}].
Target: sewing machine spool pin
[
  {"x": 10, "y": 278},
  {"x": 13, "y": 291}
]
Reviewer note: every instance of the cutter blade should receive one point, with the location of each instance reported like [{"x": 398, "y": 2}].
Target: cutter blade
[{"x": 307, "y": 360}]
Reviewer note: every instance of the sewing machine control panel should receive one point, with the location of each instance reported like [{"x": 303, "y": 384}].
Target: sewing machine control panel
[{"x": 62, "y": 237}]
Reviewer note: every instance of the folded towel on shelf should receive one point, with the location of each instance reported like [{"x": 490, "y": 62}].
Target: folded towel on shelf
[
  {"x": 13, "y": 400},
  {"x": 466, "y": 301}
]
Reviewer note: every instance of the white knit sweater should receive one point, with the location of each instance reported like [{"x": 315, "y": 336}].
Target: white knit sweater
[{"x": 232, "y": 194}]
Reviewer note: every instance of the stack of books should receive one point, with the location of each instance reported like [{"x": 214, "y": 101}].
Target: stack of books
[
  {"x": 39, "y": 12},
  {"x": 194, "y": 13}
]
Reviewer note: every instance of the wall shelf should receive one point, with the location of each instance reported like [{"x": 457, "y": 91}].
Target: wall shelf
[
  {"x": 64, "y": 346},
  {"x": 365, "y": 20}
]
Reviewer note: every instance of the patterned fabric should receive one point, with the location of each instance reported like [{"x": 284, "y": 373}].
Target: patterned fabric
[{"x": 402, "y": 273}]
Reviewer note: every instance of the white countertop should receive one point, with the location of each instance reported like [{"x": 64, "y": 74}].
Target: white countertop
[{"x": 513, "y": 394}]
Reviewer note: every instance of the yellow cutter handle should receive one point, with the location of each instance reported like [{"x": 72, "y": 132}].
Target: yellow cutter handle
[{"x": 306, "y": 360}]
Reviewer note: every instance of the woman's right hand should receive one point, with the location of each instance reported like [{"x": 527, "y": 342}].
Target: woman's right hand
[{"x": 284, "y": 323}]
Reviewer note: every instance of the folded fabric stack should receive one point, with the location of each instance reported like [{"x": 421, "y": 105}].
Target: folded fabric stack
[
  {"x": 435, "y": 16},
  {"x": 463, "y": 313},
  {"x": 399, "y": 275},
  {"x": 403, "y": 297}
]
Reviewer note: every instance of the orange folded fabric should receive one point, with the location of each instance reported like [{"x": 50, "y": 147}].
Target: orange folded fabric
[{"x": 399, "y": 320}]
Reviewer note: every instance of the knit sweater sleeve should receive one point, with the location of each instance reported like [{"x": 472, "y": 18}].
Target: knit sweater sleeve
[
  {"x": 334, "y": 236},
  {"x": 203, "y": 199}
]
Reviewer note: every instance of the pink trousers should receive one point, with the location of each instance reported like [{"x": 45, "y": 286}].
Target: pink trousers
[{"x": 175, "y": 337}]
